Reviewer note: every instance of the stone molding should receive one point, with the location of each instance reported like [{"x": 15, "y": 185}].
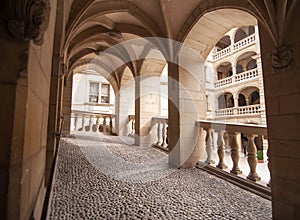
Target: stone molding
[
  {"x": 28, "y": 19},
  {"x": 283, "y": 58}
]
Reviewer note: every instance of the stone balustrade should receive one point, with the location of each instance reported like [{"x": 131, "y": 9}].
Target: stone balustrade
[
  {"x": 162, "y": 132},
  {"x": 222, "y": 53},
  {"x": 244, "y": 42},
  {"x": 250, "y": 40},
  {"x": 92, "y": 122},
  {"x": 250, "y": 74},
  {"x": 224, "y": 82},
  {"x": 247, "y": 75},
  {"x": 233, "y": 131},
  {"x": 239, "y": 111}
]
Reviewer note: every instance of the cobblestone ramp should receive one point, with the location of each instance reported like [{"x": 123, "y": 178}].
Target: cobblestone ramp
[{"x": 82, "y": 191}]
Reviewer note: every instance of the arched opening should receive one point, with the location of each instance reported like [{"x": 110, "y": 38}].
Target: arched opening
[
  {"x": 93, "y": 102},
  {"x": 243, "y": 32},
  {"x": 224, "y": 71},
  {"x": 245, "y": 62},
  {"x": 225, "y": 101},
  {"x": 251, "y": 64},
  {"x": 254, "y": 98},
  {"x": 232, "y": 106},
  {"x": 250, "y": 96},
  {"x": 223, "y": 43},
  {"x": 242, "y": 100}
]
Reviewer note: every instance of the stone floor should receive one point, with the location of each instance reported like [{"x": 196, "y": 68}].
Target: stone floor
[{"x": 102, "y": 177}]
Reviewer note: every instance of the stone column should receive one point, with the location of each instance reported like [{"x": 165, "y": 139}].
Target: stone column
[
  {"x": 247, "y": 101},
  {"x": 281, "y": 87},
  {"x": 125, "y": 104},
  {"x": 66, "y": 104},
  {"x": 191, "y": 106},
  {"x": 149, "y": 106},
  {"x": 236, "y": 104}
]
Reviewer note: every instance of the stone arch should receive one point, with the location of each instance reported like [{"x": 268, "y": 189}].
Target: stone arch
[
  {"x": 224, "y": 70},
  {"x": 247, "y": 93},
  {"x": 243, "y": 32},
  {"x": 245, "y": 62}
]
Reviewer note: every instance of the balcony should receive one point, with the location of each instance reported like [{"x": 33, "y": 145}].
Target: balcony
[
  {"x": 241, "y": 77},
  {"x": 248, "y": 41},
  {"x": 249, "y": 110}
]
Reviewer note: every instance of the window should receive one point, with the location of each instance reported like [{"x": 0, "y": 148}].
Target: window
[
  {"x": 105, "y": 93},
  {"x": 94, "y": 92}
]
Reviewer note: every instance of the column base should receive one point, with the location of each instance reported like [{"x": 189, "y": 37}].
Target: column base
[
  {"x": 210, "y": 162},
  {"x": 222, "y": 166},
  {"x": 236, "y": 171},
  {"x": 253, "y": 177}
]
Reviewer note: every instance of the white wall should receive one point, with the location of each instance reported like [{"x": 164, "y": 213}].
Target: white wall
[{"x": 80, "y": 95}]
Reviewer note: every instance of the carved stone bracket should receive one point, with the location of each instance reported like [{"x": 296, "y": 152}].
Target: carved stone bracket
[
  {"x": 28, "y": 19},
  {"x": 283, "y": 58}
]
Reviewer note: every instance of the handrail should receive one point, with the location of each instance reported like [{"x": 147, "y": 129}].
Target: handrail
[
  {"x": 239, "y": 111},
  {"x": 233, "y": 127},
  {"x": 93, "y": 113}
]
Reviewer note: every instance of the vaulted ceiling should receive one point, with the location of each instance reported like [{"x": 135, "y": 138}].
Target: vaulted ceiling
[{"x": 115, "y": 34}]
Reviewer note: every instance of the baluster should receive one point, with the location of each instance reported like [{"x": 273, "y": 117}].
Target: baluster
[
  {"x": 75, "y": 122},
  {"x": 83, "y": 123},
  {"x": 252, "y": 160},
  {"x": 227, "y": 142},
  {"x": 90, "y": 123},
  {"x": 235, "y": 154},
  {"x": 209, "y": 146},
  {"x": 221, "y": 148},
  {"x": 110, "y": 125},
  {"x": 158, "y": 134},
  {"x": 104, "y": 124},
  {"x": 97, "y": 124},
  {"x": 164, "y": 135}
]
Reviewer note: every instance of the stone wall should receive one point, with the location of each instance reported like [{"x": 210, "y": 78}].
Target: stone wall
[
  {"x": 25, "y": 86},
  {"x": 282, "y": 92}
]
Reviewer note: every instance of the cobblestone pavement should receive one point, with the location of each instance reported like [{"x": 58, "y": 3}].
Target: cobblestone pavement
[{"x": 85, "y": 186}]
